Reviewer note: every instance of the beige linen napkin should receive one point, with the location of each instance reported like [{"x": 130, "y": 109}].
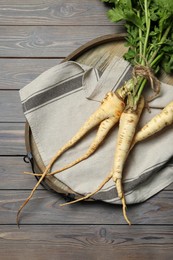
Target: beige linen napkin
[{"x": 60, "y": 100}]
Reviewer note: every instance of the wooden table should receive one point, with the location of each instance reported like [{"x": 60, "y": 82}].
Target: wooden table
[{"x": 35, "y": 35}]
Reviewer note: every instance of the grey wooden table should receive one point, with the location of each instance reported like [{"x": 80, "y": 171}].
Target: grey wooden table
[{"x": 35, "y": 35}]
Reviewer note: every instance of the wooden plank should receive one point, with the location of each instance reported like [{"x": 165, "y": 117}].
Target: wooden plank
[
  {"x": 170, "y": 187},
  {"x": 59, "y": 12},
  {"x": 86, "y": 242},
  {"x": 47, "y": 41},
  {"x": 44, "y": 209},
  {"x": 16, "y": 73},
  {"x": 12, "y": 177},
  {"x": 11, "y": 169},
  {"x": 10, "y": 107},
  {"x": 12, "y": 139}
]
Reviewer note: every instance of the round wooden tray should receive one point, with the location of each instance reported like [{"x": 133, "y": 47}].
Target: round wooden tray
[{"x": 97, "y": 53}]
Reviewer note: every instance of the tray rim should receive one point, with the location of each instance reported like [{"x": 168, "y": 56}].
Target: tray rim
[
  {"x": 73, "y": 56},
  {"x": 28, "y": 134}
]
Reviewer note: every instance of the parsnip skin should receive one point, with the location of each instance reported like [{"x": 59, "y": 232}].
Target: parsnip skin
[
  {"x": 156, "y": 124},
  {"x": 111, "y": 108},
  {"x": 108, "y": 114},
  {"x": 127, "y": 127}
]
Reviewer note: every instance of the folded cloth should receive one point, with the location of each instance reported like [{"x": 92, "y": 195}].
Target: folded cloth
[{"x": 60, "y": 100}]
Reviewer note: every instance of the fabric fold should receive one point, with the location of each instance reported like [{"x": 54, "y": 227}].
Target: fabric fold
[{"x": 60, "y": 100}]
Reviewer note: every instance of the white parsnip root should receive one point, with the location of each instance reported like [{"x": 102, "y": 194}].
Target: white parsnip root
[
  {"x": 107, "y": 115},
  {"x": 127, "y": 103},
  {"x": 127, "y": 128},
  {"x": 156, "y": 124}
]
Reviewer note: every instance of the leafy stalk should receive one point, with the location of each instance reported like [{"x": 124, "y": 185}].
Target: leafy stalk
[
  {"x": 163, "y": 39},
  {"x": 149, "y": 25},
  {"x": 140, "y": 42}
]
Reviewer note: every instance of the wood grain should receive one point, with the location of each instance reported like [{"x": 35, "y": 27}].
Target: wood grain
[
  {"x": 46, "y": 41},
  {"x": 44, "y": 209},
  {"x": 16, "y": 73},
  {"x": 12, "y": 177},
  {"x": 10, "y": 107},
  {"x": 71, "y": 242},
  {"x": 12, "y": 139},
  {"x": 34, "y": 36},
  {"x": 53, "y": 12},
  {"x": 12, "y": 144}
]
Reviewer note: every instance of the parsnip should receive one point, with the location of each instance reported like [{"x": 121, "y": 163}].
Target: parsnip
[
  {"x": 111, "y": 108},
  {"x": 156, "y": 124},
  {"x": 127, "y": 127}
]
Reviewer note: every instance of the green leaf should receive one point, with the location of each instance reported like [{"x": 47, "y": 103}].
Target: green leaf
[
  {"x": 117, "y": 14},
  {"x": 109, "y": 1},
  {"x": 124, "y": 3},
  {"x": 167, "y": 64},
  {"x": 165, "y": 5},
  {"x": 130, "y": 54},
  {"x": 157, "y": 19},
  {"x": 155, "y": 32}
]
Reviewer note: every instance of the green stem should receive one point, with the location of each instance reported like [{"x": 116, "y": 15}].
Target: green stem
[
  {"x": 142, "y": 85},
  {"x": 156, "y": 60},
  {"x": 160, "y": 44},
  {"x": 141, "y": 61},
  {"x": 153, "y": 62},
  {"x": 143, "y": 81},
  {"x": 148, "y": 23}
]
